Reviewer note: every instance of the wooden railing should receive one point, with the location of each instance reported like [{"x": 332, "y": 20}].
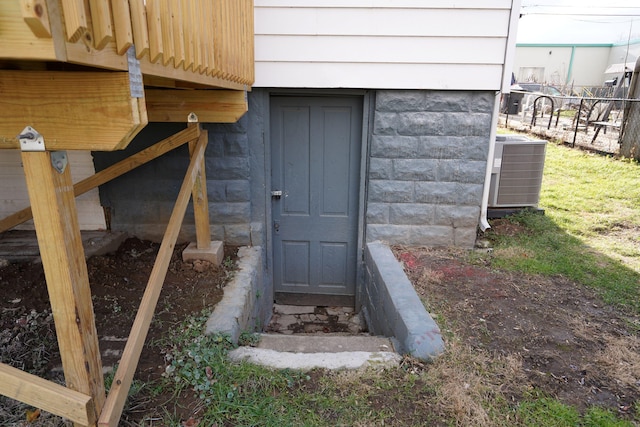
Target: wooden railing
[{"x": 208, "y": 42}]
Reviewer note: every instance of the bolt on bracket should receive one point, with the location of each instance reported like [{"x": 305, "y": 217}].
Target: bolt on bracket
[
  {"x": 192, "y": 118},
  {"x": 31, "y": 140},
  {"x": 59, "y": 160}
]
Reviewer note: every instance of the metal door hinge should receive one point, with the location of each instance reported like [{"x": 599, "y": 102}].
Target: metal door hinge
[{"x": 276, "y": 194}]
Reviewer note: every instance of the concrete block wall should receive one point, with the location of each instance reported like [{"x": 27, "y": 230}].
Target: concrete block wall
[
  {"x": 393, "y": 308},
  {"x": 247, "y": 302},
  {"x": 141, "y": 201},
  {"x": 228, "y": 186},
  {"x": 428, "y": 157}
]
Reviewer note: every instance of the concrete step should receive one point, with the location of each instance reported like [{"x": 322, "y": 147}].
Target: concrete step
[
  {"x": 325, "y": 343},
  {"x": 327, "y": 351}
]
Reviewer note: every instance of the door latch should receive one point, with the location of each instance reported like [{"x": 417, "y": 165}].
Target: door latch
[{"x": 276, "y": 227}]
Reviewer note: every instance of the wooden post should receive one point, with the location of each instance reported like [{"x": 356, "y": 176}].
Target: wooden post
[
  {"x": 200, "y": 200},
  {"x": 65, "y": 268}
]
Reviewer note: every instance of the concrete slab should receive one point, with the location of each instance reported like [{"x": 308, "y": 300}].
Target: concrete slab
[
  {"x": 327, "y": 343},
  {"x": 213, "y": 254},
  {"x": 308, "y": 361}
]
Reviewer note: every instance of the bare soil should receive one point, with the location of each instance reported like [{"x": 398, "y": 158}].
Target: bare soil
[
  {"x": 568, "y": 342},
  {"x": 118, "y": 280}
]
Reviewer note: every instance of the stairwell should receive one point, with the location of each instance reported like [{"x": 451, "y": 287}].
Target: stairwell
[{"x": 307, "y": 337}]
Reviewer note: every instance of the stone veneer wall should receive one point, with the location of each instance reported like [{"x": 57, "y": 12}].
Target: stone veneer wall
[{"x": 428, "y": 158}]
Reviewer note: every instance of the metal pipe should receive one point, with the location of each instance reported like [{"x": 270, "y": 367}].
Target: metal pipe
[{"x": 484, "y": 223}]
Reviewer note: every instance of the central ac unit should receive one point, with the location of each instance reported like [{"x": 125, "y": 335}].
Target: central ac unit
[{"x": 516, "y": 176}]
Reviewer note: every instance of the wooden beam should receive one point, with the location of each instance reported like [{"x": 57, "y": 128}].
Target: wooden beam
[
  {"x": 113, "y": 171},
  {"x": 47, "y": 395},
  {"x": 65, "y": 269},
  {"x": 73, "y": 110},
  {"x": 211, "y": 106},
  {"x": 17, "y": 39},
  {"x": 131, "y": 354},
  {"x": 200, "y": 199}
]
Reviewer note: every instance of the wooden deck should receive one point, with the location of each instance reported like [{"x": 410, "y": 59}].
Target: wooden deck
[
  {"x": 100, "y": 57},
  {"x": 89, "y": 75}
]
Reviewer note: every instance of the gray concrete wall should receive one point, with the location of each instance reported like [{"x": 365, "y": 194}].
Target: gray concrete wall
[
  {"x": 428, "y": 158},
  {"x": 393, "y": 308}
]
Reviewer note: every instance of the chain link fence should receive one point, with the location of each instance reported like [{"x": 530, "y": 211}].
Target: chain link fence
[{"x": 606, "y": 124}]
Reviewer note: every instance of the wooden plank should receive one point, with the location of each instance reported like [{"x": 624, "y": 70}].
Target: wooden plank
[
  {"x": 178, "y": 33},
  {"x": 154, "y": 26},
  {"x": 189, "y": 53},
  {"x": 131, "y": 354},
  {"x": 197, "y": 40},
  {"x": 217, "y": 38},
  {"x": 166, "y": 23},
  {"x": 47, "y": 395},
  {"x": 151, "y": 71},
  {"x": 75, "y": 19},
  {"x": 122, "y": 22},
  {"x": 208, "y": 36},
  {"x": 100, "y": 119},
  {"x": 199, "y": 197},
  {"x": 101, "y": 23},
  {"x": 17, "y": 40},
  {"x": 58, "y": 233},
  {"x": 139, "y": 27},
  {"x": 112, "y": 172},
  {"x": 211, "y": 106},
  {"x": 250, "y": 21},
  {"x": 35, "y": 14}
]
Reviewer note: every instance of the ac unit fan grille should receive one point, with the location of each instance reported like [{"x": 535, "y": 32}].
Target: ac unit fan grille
[{"x": 521, "y": 174}]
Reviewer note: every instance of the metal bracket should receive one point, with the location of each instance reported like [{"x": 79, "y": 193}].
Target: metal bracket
[
  {"x": 136, "y": 84},
  {"x": 192, "y": 118},
  {"x": 31, "y": 140},
  {"x": 59, "y": 160}
]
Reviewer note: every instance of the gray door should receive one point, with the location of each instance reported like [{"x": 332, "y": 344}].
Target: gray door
[{"x": 316, "y": 166}]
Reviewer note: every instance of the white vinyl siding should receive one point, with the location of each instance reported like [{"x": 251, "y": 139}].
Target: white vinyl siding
[
  {"x": 14, "y": 195},
  {"x": 402, "y": 44}
]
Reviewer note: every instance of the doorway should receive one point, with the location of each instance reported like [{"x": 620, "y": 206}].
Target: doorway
[{"x": 315, "y": 183}]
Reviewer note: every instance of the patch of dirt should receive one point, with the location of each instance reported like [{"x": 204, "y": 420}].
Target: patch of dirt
[
  {"x": 118, "y": 280},
  {"x": 569, "y": 344}
]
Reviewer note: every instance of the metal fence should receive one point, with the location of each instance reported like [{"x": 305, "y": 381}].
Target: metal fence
[{"x": 600, "y": 123}]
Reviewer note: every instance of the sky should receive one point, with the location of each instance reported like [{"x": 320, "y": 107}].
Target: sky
[{"x": 579, "y": 21}]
